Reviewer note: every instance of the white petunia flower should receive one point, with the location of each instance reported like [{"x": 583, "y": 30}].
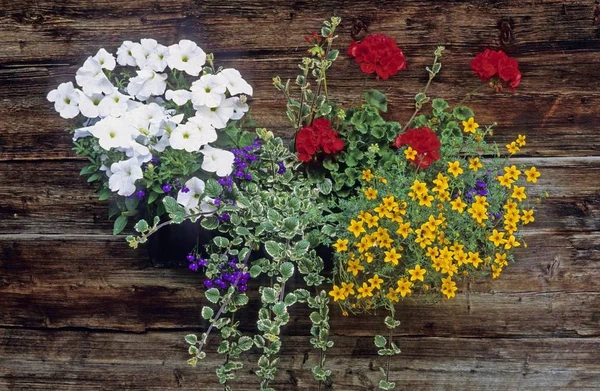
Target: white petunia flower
[
  {"x": 88, "y": 105},
  {"x": 157, "y": 61},
  {"x": 186, "y": 56},
  {"x": 192, "y": 135},
  {"x": 66, "y": 100},
  {"x": 180, "y": 97},
  {"x": 114, "y": 105},
  {"x": 105, "y": 59},
  {"x": 235, "y": 83},
  {"x": 92, "y": 79},
  {"x": 239, "y": 108},
  {"x": 209, "y": 91},
  {"x": 216, "y": 116},
  {"x": 125, "y": 54},
  {"x": 112, "y": 133},
  {"x": 82, "y": 132},
  {"x": 217, "y": 160},
  {"x": 146, "y": 84},
  {"x": 124, "y": 175},
  {"x": 138, "y": 151},
  {"x": 150, "y": 55},
  {"x": 191, "y": 199},
  {"x": 207, "y": 206}
]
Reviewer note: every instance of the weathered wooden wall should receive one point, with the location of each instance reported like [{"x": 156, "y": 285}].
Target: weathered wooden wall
[{"x": 81, "y": 311}]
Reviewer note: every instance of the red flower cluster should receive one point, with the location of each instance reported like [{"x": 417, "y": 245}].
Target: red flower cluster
[
  {"x": 319, "y": 136},
  {"x": 424, "y": 141},
  {"x": 378, "y": 53},
  {"x": 492, "y": 63}
]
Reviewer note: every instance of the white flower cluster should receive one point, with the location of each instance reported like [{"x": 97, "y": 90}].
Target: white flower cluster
[{"x": 134, "y": 121}]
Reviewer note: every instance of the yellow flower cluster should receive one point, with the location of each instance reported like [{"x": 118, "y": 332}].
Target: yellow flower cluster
[{"x": 432, "y": 234}]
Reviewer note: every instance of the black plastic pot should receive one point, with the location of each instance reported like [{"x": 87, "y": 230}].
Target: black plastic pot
[{"x": 170, "y": 245}]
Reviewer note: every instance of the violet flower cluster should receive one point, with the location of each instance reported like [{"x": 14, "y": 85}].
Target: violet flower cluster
[{"x": 231, "y": 275}]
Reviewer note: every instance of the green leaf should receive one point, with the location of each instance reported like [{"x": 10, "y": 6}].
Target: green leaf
[
  {"x": 290, "y": 299},
  {"x": 333, "y": 55},
  {"x": 193, "y": 350},
  {"x": 209, "y": 222},
  {"x": 207, "y": 313},
  {"x": 104, "y": 194},
  {"x": 245, "y": 343},
  {"x": 87, "y": 170},
  {"x": 212, "y": 295},
  {"x": 272, "y": 248},
  {"x": 242, "y": 231},
  {"x": 212, "y": 188},
  {"x": 241, "y": 300},
  {"x": 391, "y": 323},
  {"x": 291, "y": 223},
  {"x": 141, "y": 226},
  {"x": 269, "y": 295},
  {"x": 376, "y": 99},
  {"x": 286, "y": 269},
  {"x": 191, "y": 339},
  {"x": 120, "y": 224},
  {"x": 223, "y": 347},
  {"x": 462, "y": 113},
  {"x": 302, "y": 246},
  {"x": 380, "y": 341},
  {"x": 439, "y": 105},
  {"x": 315, "y": 317},
  {"x": 326, "y": 186},
  {"x": 273, "y": 216},
  {"x": 152, "y": 197},
  {"x": 221, "y": 241},
  {"x": 279, "y": 309},
  {"x": 193, "y": 361},
  {"x": 172, "y": 206},
  {"x": 255, "y": 271},
  {"x": 386, "y": 385}
]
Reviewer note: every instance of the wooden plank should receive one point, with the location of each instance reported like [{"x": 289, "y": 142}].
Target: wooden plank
[
  {"x": 52, "y": 197},
  {"x": 76, "y": 360},
  {"x": 551, "y": 290},
  {"x": 73, "y": 27}
]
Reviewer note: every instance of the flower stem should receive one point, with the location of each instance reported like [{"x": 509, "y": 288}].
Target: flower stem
[
  {"x": 470, "y": 94},
  {"x": 168, "y": 222},
  {"x": 414, "y": 114}
]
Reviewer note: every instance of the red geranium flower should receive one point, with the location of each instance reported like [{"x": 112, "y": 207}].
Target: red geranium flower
[
  {"x": 424, "y": 141},
  {"x": 317, "y": 137},
  {"x": 492, "y": 63},
  {"x": 378, "y": 53}
]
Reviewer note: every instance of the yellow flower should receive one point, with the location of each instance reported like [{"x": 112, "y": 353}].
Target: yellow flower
[
  {"x": 448, "y": 287},
  {"x": 337, "y": 293},
  {"x": 367, "y": 175},
  {"x": 532, "y": 175},
  {"x": 376, "y": 281},
  {"x": 371, "y": 220},
  {"x": 511, "y": 242},
  {"x": 370, "y": 193},
  {"x": 419, "y": 187},
  {"x": 470, "y": 125},
  {"x": 404, "y": 230},
  {"x": 474, "y": 259},
  {"x": 478, "y": 213},
  {"x": 341, "y": 245},
  {"x": 385, "y": 242},
  {"x": 497, "y": 238},
  {"x": 368, "y": 257},
  {"x": 425, "y": 200},
  {"x": 510, "y": 206},
  {"x": 512, "y": 148},
  {"x": 404, "y": 287},
  {"x": 364, "y": 291},
  {"x": 527, "y": 216},
  {"x": 410, "y": 153},
  {"x": 382, "y": 180},
  {"x": 458, "y": 205},
  {"x": 481, "y": 200},
  {"x": 389, "y": 203},
  {"x": 417, "y": 273},
  {"x": 348, "y": 289},
  {"x": 475, "y": 164},
  {"x": 505, "y": 180},
  {"x": 512, "y": 172},
  {"x": 519, "y": 193},
  {"x": 496, "y": 271},
  {"x": 392, "y": 295},
  {"x": 363, "y": 245},
  {"x": 521, "y": 140},
  {"x": 356, "y": 227},
  {"x": 354, "y": 267},
  {"x": 392, "y": 256},
  {"x": 454, "y": 168},
  {"x": 432, "y": 252},
  {"x": 441, "y": 183},
  {"x": 500, "y": 259},
  {"x": 382, "y": 211}
]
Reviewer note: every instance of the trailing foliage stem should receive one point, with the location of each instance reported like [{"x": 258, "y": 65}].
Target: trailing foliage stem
[
  {"x": 169, "y": 222},
  {"x": 414, "y": 114}
]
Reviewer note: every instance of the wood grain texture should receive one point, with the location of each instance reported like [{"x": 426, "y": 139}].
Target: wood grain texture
[{"x": 81, "y": 311}]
